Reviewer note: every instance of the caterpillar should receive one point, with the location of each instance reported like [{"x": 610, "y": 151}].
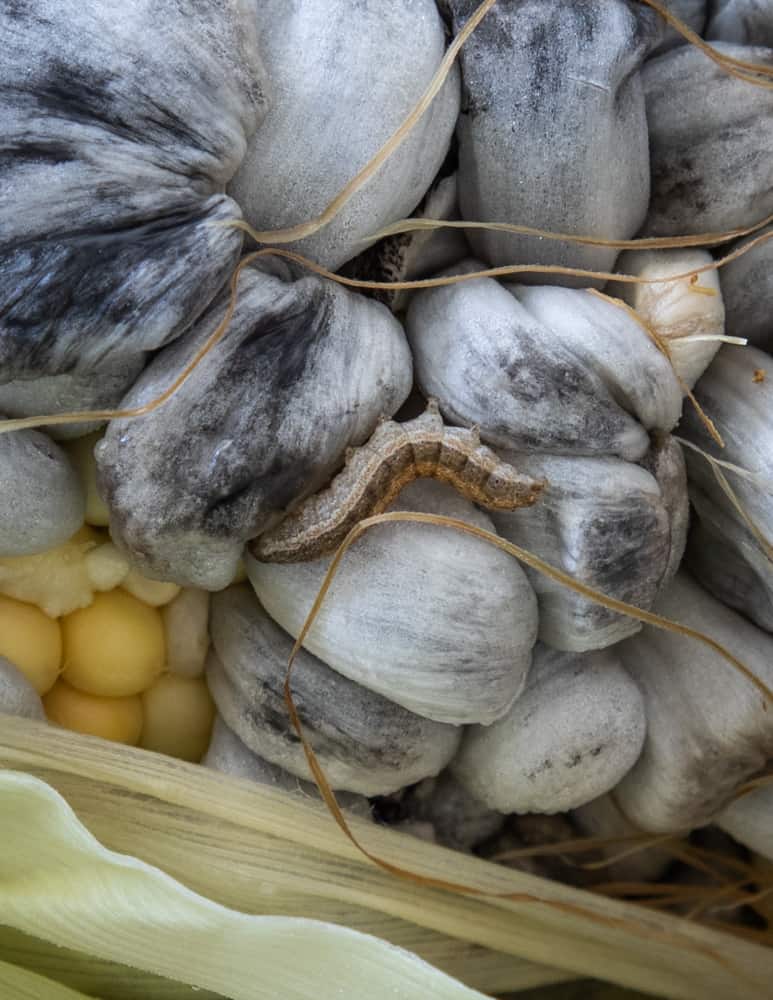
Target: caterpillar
[{"x": 374, "y": 474}]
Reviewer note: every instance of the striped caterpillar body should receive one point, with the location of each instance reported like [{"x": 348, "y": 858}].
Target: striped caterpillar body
[{"x": 374, "y": 475}]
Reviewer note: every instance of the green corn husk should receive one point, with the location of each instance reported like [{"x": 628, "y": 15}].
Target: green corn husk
[{"x": 260, "y": 851}]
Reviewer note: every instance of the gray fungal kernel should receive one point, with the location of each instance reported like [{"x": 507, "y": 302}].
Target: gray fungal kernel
[{"x": 374, "y": 474}]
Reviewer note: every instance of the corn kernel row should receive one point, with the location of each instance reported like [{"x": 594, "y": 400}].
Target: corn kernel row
[{"x": 120, "y": 668}]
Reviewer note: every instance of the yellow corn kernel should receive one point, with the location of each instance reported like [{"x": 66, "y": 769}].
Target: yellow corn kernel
[
  {"x": 118, "y": 719},
  {"x": 115, "y": 647},
  {"x": 178, "y": 715},
  {"x": 31, "y": 641}
]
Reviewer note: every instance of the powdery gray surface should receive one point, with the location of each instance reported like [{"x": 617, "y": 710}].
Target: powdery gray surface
[
  {"x": 42, "y": 500},
  {"x": 17, "y": 695},
  {"x": 692, "y": 13},
  {"x": 418, "y": 254},
  {"x": 122, "y": 122},
  {"x": 553, "y": 132},
  {"x": 747, "y": 288},
  {"x": 665, "y": 461},
  {"x": 610, "y": 342},
  {"x": 489, "y": 362},
  {"x": 458, "y": 820},
  {"x": 707, "y": 729},
  {"x": 47, "y": 394},
  {"x": 226, "y": 753},
  {"x": 710, "y": 143},
  {"x": 732, "y": 565},
  {"x": 305, "y": 370},
  {"x": 747, "y": 22},
  {"x": 344, "y": 74},
  {"x": 750, "y": 821},
  {"x": 604, "y": 522},
  {"x": 741, "y": 408},
  {"x": 364, "y": 742},
  {"x": 570, "y": 737},
  {"x": 729, "y": 561},
  {"x": 433, "y": 619}
]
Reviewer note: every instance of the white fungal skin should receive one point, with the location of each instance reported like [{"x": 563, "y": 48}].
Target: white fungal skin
[
  {"x": 747, "y": 289},
  {"x": 604, "y": 522},
  {"x": 305, "y": 370},
  {"x": 607, "y": 339},
  {"x": 749, "y": 820},
  {"x": 76, "y": 391},
  {"x": 186, "y": 632},
  {"x": 418, "y": 254},
  {"x": 434, "y": 250},
  {"x": 570, "y": 737},
  {"x": 707, "y": 727},
  {"x": 674, "y": 310},
  {"x": 364, "y": 742},
  {"x": 192, "y": 146},
  {"x": 43, "y": 503},
  {"x": 741, "y": 409},
  {"x": 112, "y": 203},
  {"x": 690, "y": 12},
  {"x": 709, "y": 144},
  {"x": 432, "y": 619},
  {"x": 458, "y": 820},
  {"x": 348, "y": 764},
  {"x": 330, "y": 112},
  {"x": 725, "y": 557},
  {"x": 17, "y": 695},
  {"x": 665, "y": 461},
  {"x": 553, "y": 132},
  {"x": 489, "y": 362},
  {"x": 227, "y": 754},
  {"x": 747, "y": 22}
]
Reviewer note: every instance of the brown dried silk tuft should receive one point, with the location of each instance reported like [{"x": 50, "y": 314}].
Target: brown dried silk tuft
[{"x": 376, "y": 473}]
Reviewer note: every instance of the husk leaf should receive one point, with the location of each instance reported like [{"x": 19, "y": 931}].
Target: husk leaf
[
  {"x": 57, "y": 882},
  {"x": 261, "y": 850},
  {"x": 21, "y": 984}
]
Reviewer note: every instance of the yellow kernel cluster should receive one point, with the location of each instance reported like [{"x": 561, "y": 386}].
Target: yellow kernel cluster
[{"x": 103, "y": 669}]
